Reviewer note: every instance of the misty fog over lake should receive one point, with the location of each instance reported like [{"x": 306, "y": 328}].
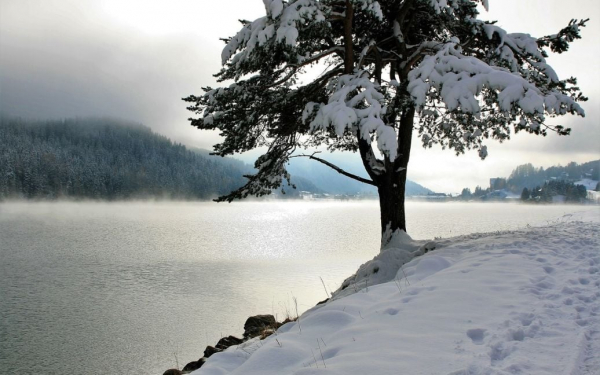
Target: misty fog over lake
[{"x": 122, "y": 288}]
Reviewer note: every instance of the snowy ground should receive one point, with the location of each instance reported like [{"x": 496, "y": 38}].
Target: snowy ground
[
  {"x": 519, "y": 302},
  {"x": 589, "y": 184}
]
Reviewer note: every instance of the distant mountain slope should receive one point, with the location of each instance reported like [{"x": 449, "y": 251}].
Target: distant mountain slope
[
  {"x": 104, "y": 159},
  {"x": 301, "y": 183},
  {"x": 111, "y": 159},
  {"x": 331, "y": 181},
  {"x": 233, "y": 162}
]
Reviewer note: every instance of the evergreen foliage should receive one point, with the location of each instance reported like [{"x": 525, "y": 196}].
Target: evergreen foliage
[
  {"x": 528, "y": 176},
  {"x": 105, "y": 159},
  {"x": 389, "y": 67},
  {"x": 550, "y": 189},
  {"x": 466, "y": 194},
  {"x": 479, "y": 191},
  {"x": 525, "y": 195}
]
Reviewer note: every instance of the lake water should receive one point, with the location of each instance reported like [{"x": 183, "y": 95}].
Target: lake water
[{"x": 136, "y": 288}]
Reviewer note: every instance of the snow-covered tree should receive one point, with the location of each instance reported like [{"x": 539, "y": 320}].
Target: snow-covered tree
[{"x": 387, "y": 69}]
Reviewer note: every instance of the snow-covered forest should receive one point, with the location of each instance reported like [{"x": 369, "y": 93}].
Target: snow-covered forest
[
  {"x": 105, "y": 159},
  {"x": 528, "y": 176}
]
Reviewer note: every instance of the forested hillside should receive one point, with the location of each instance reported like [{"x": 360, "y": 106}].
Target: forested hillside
[
  {"x": 105, "y": 159},
  {"x": 542, "y": 184},
  {"x": 528, "y": 176}
]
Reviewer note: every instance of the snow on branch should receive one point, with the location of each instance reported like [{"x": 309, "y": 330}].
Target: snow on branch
[
  {"x": 524, "y": 46},
  {"x": 460, "y": 79},
  {"x": 559, "y": 42},
  {"x": 355, "y": 101},
  {"x": 370, "y": 6},
  {"x": 451, "y": 5},
  {"x": 281, "y": 24}
]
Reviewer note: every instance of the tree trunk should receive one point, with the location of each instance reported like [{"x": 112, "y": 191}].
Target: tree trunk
[
  {"x": 391, "y": 204},
  {"x": 392, "y": 185}
]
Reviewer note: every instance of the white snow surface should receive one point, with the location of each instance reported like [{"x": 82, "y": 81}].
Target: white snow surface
[
  {"x": 518, "y": 302},
  {"x": 342, "y": 113},
  {"x": 588, "y": 183}
]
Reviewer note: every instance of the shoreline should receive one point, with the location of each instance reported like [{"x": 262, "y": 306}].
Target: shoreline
[{"x": 428, "y": 273}]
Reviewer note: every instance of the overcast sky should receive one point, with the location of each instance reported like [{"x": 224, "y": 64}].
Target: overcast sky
[{"x": 136, "y": 59}]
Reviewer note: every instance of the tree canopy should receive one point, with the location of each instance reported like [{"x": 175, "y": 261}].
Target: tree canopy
[{"x": 385, "y": 68}]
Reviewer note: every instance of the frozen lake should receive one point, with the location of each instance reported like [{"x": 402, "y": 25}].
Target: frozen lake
[{"x": 134, "y": 288}]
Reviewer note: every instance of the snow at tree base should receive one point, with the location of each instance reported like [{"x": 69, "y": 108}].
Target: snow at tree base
[
  {"x": 387, "y": 69},
  {"x": 518, "y": 302}
]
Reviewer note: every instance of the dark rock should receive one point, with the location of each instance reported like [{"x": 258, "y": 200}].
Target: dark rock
[
  {"x": 223, "y": 344},
  {"x": 210, "y": 350},
  {"x": 327, "y": 299},
  {"x": 429, "y": 246},
  {"x": 255, "y": 325},
  {"x": 228, "y": 341},
  {"x": 193, "y": 366},
  {"x": 259, "y": 325}
]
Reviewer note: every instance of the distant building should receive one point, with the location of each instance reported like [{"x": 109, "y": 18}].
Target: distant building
[
  {"x": 594, "y": 196},
  {"x": 306, "y": 195},
  {"x": 439, "y": 195},
  {"x": 496, "y": 195}
]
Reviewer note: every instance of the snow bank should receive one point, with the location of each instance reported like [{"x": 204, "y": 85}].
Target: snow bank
[
  {"x": 587, "y": 183},
  {"x": 386, "y": 266},
  {"x": 519, "y": 302}
]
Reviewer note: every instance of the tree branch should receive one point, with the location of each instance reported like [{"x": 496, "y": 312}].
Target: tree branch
[
  {"x": 336, "y": 168},
  {"x": 295, "y": 67},
  {"x": 348, "y": 43},
  {"x": 373, "y": 166},
  {"x": 318, "y": 56}
]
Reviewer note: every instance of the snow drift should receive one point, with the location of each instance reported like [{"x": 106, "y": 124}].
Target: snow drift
[{"x": 518, "y": 302}]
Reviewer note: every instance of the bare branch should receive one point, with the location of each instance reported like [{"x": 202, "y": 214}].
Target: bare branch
[
  {"x": 336, "y": 168},
  {"x": 288, "y": 76},
  {"x": 318, "y": 56},
  {"x": 373, "y": 166},
  {"x": 308, "y": 61}
]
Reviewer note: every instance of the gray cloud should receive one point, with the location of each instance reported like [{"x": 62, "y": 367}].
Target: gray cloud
[{"x": 67, "y": 60}]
